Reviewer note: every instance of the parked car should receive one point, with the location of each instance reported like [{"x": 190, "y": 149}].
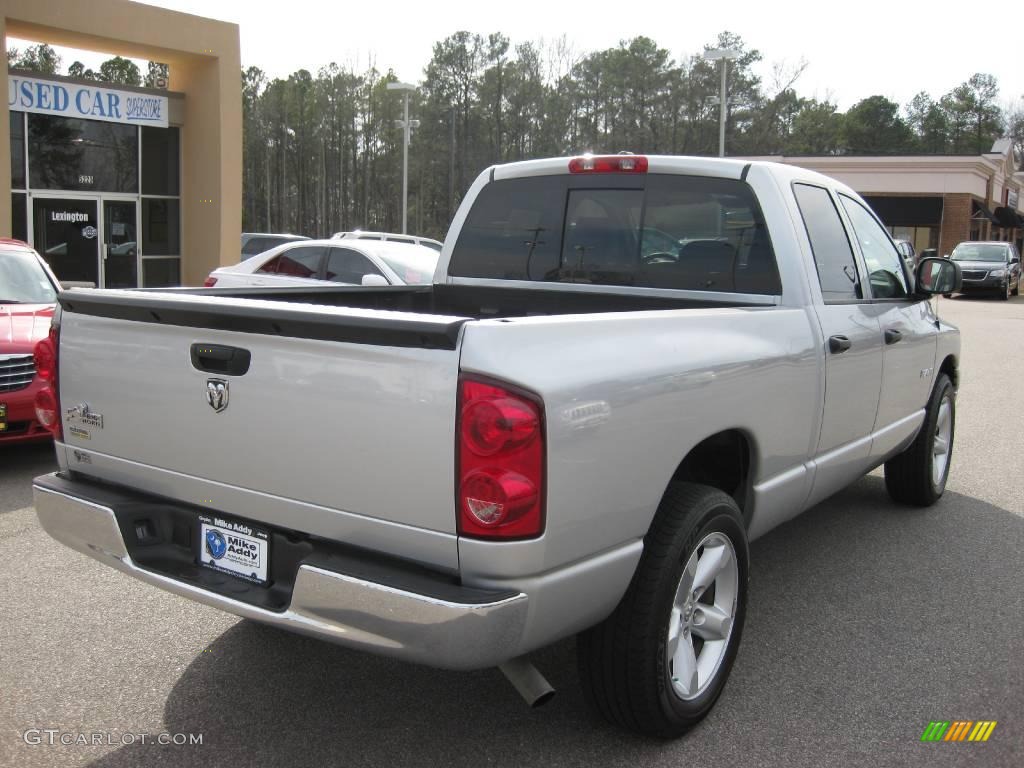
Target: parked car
[
  {"x": 254, "y": 243},
  {"x": 989, "y": 267},
  {"x": 389, "y": 237},
  {"x": 906, "y": 250},
  {"x": 312, "y": 262},
  {"x": 28, "y": 295},
  {"x": 558, "y": 437}
]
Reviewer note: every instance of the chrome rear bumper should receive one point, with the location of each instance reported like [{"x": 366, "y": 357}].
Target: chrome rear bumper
[{"x": 483, "y": 631}]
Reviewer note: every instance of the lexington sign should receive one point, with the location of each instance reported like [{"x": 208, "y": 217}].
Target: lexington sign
[{"x": 89, "y": 102}]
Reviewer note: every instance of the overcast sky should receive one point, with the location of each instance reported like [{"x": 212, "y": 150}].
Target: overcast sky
[{"x": 852, "y": 50}]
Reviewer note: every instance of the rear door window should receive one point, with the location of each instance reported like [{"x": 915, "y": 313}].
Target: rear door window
[
  {"x": 301, "y": 261},
  {"x": 833, "y": 254},
  {"x": 655, "y": 231}
]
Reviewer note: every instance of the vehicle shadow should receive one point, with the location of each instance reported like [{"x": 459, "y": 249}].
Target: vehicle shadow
[
  {"x": 866, "y": 621},
  {"x": 18, "y": 465}
]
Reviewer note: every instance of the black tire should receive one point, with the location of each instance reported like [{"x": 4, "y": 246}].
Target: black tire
[
  {"x": 622, "y": 661},
  {"x": 908, "y": 476},
  {"x": 1004, "y": 295}
]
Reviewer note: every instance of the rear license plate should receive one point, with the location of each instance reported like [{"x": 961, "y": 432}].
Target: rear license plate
[
  {"x": 3, "y": 417},
  {"x": 234, "y": 547}
]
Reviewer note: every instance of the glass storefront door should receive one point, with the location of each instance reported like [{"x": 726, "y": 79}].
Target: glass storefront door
[
  {"x": 66, "y": 233},
  {"x": 120, "y": 244}
]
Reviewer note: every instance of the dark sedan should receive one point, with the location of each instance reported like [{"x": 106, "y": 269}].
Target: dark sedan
[{"x": 989, "y": 267}]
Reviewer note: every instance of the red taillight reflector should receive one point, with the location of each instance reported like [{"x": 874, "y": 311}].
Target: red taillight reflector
[
  {"x": 209, "y": 282},
  {"x": 501, "y": 462},
  {"x": 47, "y": 410},
  {"x": 608, "y": 164}
]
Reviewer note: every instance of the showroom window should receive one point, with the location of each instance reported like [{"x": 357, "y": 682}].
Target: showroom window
[
  {"x": 19, "y": 200},
  {"x": 82, "y": 155},
  {"x": 161, "y": 207}
]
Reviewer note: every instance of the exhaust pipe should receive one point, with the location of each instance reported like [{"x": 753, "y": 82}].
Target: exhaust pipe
[{"x": 528, "y": 680}]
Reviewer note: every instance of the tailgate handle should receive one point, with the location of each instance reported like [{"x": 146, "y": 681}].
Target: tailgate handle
[{"x": 216, "y": 358}]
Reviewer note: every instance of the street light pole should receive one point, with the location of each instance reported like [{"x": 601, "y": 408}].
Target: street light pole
[
  {"x": 406, "y": 126},
  {"x": 723, "y": 54}
]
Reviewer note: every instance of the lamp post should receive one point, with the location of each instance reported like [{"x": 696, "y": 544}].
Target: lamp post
[
  {"x": 723, "y": 54},
  {"x": 406, "y": 125}
]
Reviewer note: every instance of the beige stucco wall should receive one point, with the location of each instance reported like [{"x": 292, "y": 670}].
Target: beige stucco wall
[{"x": 204, "y": 61}]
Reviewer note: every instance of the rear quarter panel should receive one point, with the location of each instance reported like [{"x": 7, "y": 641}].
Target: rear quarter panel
[{"x": 626, "y": 397}]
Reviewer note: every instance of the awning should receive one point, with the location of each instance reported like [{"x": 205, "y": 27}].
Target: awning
[
  {"x": 920, "y": 211},
  {"x": 980, "y": 212},
  {"x": 1007, "y": 217}
]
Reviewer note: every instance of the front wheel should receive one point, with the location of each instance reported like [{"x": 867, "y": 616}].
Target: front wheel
[
  {"x": 918, "y": 475},
  {"x": 659, "y": 662}
]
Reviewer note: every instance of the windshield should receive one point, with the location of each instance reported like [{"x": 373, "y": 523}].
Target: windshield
[
  {"x": 979, "y": 252},
  {"x": 416, "y": 268},
  {"x": 23, "y": 281}
]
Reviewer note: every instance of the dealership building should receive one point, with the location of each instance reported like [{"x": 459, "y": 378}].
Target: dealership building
[{"x": 119, "y": 186}]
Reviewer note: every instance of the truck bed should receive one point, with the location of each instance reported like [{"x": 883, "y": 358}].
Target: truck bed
[{"x": 470, "y": 301}]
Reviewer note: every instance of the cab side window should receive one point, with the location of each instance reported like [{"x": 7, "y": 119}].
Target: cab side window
[
  {"x": 833, "y": 255},
  {"x": 885, "y": 267}
]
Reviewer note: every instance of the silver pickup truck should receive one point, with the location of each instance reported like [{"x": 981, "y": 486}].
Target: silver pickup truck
[{"x": 627, "y": 368}]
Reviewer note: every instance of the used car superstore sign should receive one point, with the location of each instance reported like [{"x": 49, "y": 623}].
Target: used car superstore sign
[{"x": 91, "y": 102}]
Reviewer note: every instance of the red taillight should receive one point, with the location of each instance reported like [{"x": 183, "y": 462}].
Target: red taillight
[
  {"x": 47, "y": 401},
  {"x": 45, "y": 357},
  {"x": 608, "y": 164},
  {"x": 209, "y": 282},
  {"x": 47, "y": 410},
  {"x": 501, "y": 462}
]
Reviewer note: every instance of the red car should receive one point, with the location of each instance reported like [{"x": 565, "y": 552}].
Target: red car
[{"x": 28, "y": 296}]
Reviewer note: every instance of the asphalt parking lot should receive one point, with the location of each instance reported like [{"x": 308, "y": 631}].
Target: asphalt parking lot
[{"x": 866, "y": 622}]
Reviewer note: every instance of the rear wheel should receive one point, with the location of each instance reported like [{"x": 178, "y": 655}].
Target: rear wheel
[
  {"x": 918, "y": 475},
  {"x": 659, "y": 662}
]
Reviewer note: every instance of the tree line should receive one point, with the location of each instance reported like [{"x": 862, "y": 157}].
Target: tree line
[{"x": 322, "y": 152}]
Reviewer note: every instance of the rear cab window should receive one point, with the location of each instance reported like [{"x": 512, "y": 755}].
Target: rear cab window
[{"x": 651, "y": 231}]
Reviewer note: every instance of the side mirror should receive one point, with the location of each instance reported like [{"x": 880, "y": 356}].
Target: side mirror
[
  {"x": 1015, "y": 260},
  {"x": 374, "y": 280},
  {"x": 938, "y": 276}
]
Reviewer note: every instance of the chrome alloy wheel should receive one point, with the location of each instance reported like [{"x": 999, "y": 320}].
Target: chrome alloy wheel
[
  {"x": 703, "y": 614},
  {"x": 942, "y": 444}
]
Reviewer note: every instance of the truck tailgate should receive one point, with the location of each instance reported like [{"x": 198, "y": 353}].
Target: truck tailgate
[{"x": 343, "y": 427}]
